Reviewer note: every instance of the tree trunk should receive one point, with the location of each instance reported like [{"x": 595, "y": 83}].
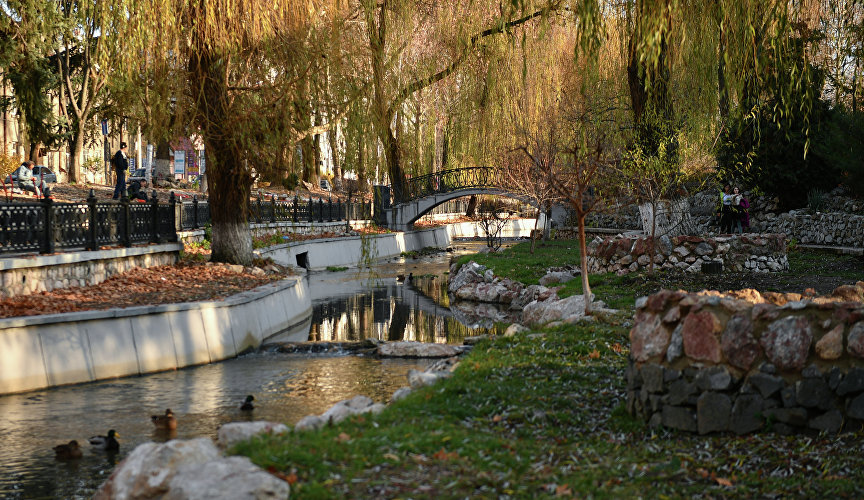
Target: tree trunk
[
  {"x": 583, "y": 260},
  {"x": 316, "y": 148},
  {"x": 334, "y": 153},
  {"x": 307, "y": 158},
  {"x": 77, "y": 147},
  {"x": 230, "y": 182},
  {"x": 472, "y": 206}
]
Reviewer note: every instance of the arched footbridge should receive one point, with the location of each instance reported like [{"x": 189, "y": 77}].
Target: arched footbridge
[{"x": 423, "y": 193}]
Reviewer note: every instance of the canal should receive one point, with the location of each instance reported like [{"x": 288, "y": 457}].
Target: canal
[{"x": 382, "y": 303}]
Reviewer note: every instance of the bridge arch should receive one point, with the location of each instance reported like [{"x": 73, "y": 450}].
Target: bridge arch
[{"x": 401, "y": 217}]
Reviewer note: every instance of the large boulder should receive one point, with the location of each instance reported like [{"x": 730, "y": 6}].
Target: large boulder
[
  {"x": 192, "y": 469},
  {"x": 542, "y": 312},
  {"x": 468, "y": 274}
]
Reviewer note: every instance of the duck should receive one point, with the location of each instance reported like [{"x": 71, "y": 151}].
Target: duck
[
  {"x": 107, "y": 443},
  {"x": 166, "y": 421},
  {"x": 68, "y": 451},
  {"x": 402, "y": 278},
  {"x": 247, "y": 404}
]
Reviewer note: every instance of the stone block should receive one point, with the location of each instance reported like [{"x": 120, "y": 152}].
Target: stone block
[
  {"x": 245, "y": 326},
  {"x": 154, "y": 343},
  {"x": 699, "y": 332},
  {"x": 813, "y": 393},
  {"x": 66, "y": 353},
  {"x": 676, "y": 344},
  {"x": 217, "y": 328},
  {"x": 738, "y": 344},
  {"x": 112, "y": 347},
  {"x": 677, "y": 417},
  {"x": 791, "y": 416},
  {"x": 713, "y": 410},
  {"x": 714, "y": 378},
  {"x": 855, "y": 408},
  {"x": 852, "y": 382},
  {"x": 746, "y": 414},
  {"x": 856, "y": 340},
  {"x": 190, "y": 341},
  {"x": 830, "y": 422},
  {"x": 21, "y": 365},
  {"x": 787, "y": 396},
  {"x": 786, "y": 342},
  {"x": 766, "y": 384},
  {"x": 652, "y": 377},
  {"x": 679, "y": 392},
  {"x": 648, "y": 338}
]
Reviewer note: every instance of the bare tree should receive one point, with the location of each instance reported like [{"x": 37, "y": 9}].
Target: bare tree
[{"x": 524, "y": 174}]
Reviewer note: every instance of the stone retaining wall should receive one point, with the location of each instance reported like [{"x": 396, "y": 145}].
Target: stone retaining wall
[
  {"x": 823, "y": 228},
  {"x": 39, "y": 273},
  {"x": 623, "y": 254},
  {"x": 747, "y": 362}
]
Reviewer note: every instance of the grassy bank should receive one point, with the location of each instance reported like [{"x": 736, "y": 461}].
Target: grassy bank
[{"x": 540, "y": 415}]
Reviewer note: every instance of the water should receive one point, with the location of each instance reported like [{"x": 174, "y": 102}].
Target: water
[{"x": 346, "y": 306}]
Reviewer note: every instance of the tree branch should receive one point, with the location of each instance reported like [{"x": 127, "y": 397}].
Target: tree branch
[{"x": 422, "y": 83}]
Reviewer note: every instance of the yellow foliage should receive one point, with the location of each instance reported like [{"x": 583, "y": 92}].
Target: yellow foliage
[{"x": 8, "y": 163}]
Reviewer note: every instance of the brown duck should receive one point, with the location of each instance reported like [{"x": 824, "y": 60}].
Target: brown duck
[
  {"x": 68, "y": 451},
  {"x": 166, "y": 421}
]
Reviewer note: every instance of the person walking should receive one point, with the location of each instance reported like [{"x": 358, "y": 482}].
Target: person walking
[{"x": 121, "y": 164}]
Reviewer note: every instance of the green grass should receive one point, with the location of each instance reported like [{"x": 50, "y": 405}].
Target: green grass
[
  {"x": 541, "y": 418},
  {"x": 335, "y": 269},
  {"x": 519, "y": 264}
]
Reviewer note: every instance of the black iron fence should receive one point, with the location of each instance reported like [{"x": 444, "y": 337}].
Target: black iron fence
[
  {"x": 196, "y": 214},
  {"x": 46, "y": 227}
]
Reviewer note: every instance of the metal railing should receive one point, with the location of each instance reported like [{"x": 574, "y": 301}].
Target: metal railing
[
  {"x": 196, "y": 214},
  {"x": 46, "y": 227},
  {"x": 449, "y": 180}
]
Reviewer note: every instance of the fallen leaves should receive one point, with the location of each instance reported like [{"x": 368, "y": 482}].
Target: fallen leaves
[
  {"x": 183, "y": 282},
  {"x": 722, "y": 481},
  {"x": 444, "y": 455}
]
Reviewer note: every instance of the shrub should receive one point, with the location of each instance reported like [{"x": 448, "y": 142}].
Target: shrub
[{"x": 290, "y": 182}]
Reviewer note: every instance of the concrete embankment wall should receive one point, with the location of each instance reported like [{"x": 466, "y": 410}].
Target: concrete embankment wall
[
  {"x": 352, "y": 251},
  {"x": 44, "y": 351}
]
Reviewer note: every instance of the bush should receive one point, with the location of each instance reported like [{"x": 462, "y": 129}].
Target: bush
[
  {"x": 816, "y": 200},
  {"x": 290, "y": 182}
]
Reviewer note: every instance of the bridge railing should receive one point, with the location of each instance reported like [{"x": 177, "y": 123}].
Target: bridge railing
[{"x": 447, "y": 181}]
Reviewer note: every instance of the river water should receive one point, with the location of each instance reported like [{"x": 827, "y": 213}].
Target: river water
[{"x": 347, "y": 305}]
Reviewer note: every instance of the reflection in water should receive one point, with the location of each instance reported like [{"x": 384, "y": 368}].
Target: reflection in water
[{"x": 392, "y": 311}]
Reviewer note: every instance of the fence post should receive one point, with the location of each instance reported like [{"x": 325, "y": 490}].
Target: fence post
[
  {"x": 320, "y": 209},
  {"x": 48, "y": 241},
  {"x": 338, "y": 209},
  {"x": 91, "y": 213},
  {"x": 273, "y": 202},
  {"x": 296, "y": 201},
  {"x": 175, "y": 217},
  {"x": 154, "y": 218},
  {"x": 125, "y": 240},
  {"x": 195, "y": 211},
  {"x": 258, "y": 217},
  {"x": 329, "y": 209}
]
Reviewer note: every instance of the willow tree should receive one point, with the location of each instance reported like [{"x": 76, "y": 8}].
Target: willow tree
[
  {"x": 228, "y": 64},
  {"x": 442, "y": 36}
]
